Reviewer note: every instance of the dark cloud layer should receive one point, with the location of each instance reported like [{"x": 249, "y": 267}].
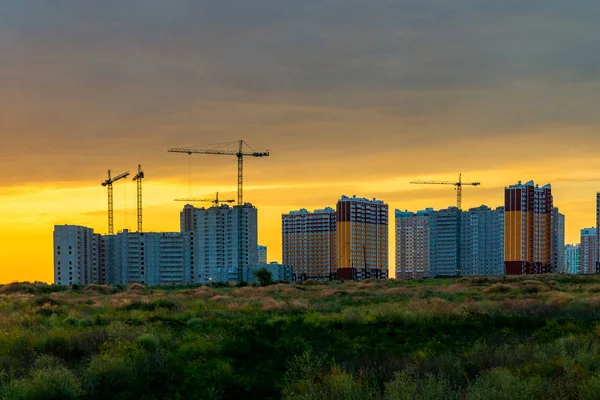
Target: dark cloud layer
[{"x": 88, "y": 85}]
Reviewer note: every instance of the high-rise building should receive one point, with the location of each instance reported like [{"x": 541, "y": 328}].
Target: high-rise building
[
  {"x": 76, "y": 255},
  {"x": 444, "y": 242},
  {"x": 598, "y": 232},
  {"x": 362, "y": 238},
  {"x": 558, "y": 241},
  {"x": 153, "y": 257},
  {"x": 412, "y": 244},
  {"x": 83, "y": 257},
  {"x": 588, "y": 251},
  {"x": 262, "y": 254},
  {"x": 572, "y": 259},
  {"x": 216, "y": 238},
  {"x": 482, "y": 241},
  {"x": 528, "y": 229},
  {"x": 309, "y": 243}
]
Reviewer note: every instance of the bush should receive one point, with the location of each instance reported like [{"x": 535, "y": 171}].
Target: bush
[
  {"x": 47, "y": 382},
  {"x": 263, "y": 276}
]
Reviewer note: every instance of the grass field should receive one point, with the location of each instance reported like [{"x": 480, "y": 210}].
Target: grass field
[{"x": 465, "y": 338}]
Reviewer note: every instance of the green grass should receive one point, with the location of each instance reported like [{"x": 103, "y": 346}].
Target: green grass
[{"x": 465, "y": 338}]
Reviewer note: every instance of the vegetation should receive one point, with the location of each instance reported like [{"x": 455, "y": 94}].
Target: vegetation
[
  {"x": 465, "y": 338},
  {"x": 263, "y": 276}
]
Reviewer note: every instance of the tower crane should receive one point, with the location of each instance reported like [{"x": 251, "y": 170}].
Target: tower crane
[
  {"x": 240, "y": 154},
  {"x": 138, "y": 178},
  {"x": 108, "y": 183},
  {"x": 458, "y": 186},
  {"x": 214, "y": 201}
]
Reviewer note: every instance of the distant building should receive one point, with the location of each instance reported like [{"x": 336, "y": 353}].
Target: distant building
[
  {"x": 309, "y": 243},
  {"x": 216, "y": 238},
  {"x": 444, "y": 242},
  {"x": 76, "y": 255},
  {"x": 362, "y": 238},
  {"x": 528, "y": 229},
  {"x": 597, "y": 232},
  {"x": 151, "y": 257},
  {"x": 588, "y": 251},
  {"x": 558, "y": 241},
  {"x": 83, "y": 257},
  {"x": 262, "y": 254},
  {"x": 572, "y": 259},
  {"x": 482, "y": 241},
  {"x": 412, "y": 244}
]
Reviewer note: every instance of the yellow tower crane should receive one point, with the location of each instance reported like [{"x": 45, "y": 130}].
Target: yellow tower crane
[
  {"x": 458, "y": 186},
  {"x": 138, "y": 178},
  {"x": 108, "y": 183},
  {"x": 240, "y": 154}
]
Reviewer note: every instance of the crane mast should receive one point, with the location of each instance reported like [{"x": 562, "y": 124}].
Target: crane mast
[
  {"x": 240, "y": 154},
  {"x": 458, "y": 186},
  {"x": 138, "y": 178},
  {"x": 109, "y": 184}
]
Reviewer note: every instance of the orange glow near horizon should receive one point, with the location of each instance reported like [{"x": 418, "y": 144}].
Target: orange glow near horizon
[{"x": 31, "y": 212}]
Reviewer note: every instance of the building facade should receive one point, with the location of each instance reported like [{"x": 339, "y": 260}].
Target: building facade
[
  {"x": 83, "y": 257},
  {"x": 482, "y": 241},
  {"x": 217, "y": 238},
  {"x": 262, "y": 254},
  {"x": 76, "y": 255},
  {"x": 362, "y": 238},
  {"x": 572, "y": 259},
  {"x": 412, "y": 244},
  {"x": 588, "y": 251},
  {"x": 309, "y": 243},
  {"x": 528, "y": 229},
  {"x": 558, "y": 241},
  {"x": 598, "y": 231},
  {"x": 444, "y": 242}
]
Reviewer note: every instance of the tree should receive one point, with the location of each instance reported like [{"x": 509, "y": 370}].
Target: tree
[{"x": 263, "y": 276}]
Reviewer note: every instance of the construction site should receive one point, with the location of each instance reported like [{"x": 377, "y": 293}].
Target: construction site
[{"x": 218, "y": 243}]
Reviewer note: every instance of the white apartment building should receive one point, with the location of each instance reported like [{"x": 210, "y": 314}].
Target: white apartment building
[
  {"x": 412, "y": 244},
  {"x": 150, "y": 257},
  {"x": 216, "y": 240},
  {"x": 76, "y": 255},
  {"x": 83, "y": 257}
]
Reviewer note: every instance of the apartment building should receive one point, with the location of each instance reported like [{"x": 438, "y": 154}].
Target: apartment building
[
  {"x": 528, "y": 229},
  {"x": 588, "y": 251},
  {"x": 412, "y": 244},
  {"x": 482, "y": 241},
  {"x": 76, "y": 255},
  {"x": 309, "y": 243},
  {"x": 262, "y": 254},
  {"x": 217, "y": 236},
  {"x": 558, "y": 241},
  {"x": 362, "y": 238},
  {"x": 444, "y": 242},
  {"x": 572, "y": 259}
]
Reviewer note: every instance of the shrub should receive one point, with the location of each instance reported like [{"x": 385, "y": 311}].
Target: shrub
[
  {"x": 263, "y": 276},
  {"x": 47, "y": 382},
  {"x": 502, "y": 384},
  {"x": 148, "y": 342}
]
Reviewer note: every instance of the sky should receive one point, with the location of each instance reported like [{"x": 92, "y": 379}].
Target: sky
[{"x": 350, "y": 97}]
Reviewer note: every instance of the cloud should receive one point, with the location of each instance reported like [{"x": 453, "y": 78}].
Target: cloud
[{"x": 331, "y": 88}]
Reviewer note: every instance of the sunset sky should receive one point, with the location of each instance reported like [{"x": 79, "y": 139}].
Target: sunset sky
[{"x": 350, "y": 97}]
